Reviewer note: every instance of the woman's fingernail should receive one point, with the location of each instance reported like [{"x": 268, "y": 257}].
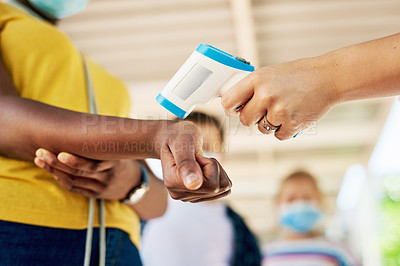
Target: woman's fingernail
[{"x": 192, "y": 181}]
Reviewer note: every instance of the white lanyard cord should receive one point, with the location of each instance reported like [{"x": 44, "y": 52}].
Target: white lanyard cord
[{"x": 89, "y": 233}]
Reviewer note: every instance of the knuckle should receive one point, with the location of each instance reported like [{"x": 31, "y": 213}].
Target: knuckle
[
  {"x": 280, "y": 112},
  {"x": 295, "y": 120},
  {"x": 270, "y": 100},
  {"x": 264, "y": 96},
  {"x": 258, "y": 82},
  {"x": 256, "y": 79}
]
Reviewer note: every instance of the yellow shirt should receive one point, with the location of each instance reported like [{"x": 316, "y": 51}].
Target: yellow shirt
[{"x": 47, "y": 67}]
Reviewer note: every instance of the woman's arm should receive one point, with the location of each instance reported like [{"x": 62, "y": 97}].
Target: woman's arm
[{"x": 365, "y": 70}]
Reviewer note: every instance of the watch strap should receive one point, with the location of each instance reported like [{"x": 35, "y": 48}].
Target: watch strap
[{"x": 138, "y": 192}]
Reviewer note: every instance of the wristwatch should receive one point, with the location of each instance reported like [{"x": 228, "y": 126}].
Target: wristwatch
[{"x": 137, "y": 193}]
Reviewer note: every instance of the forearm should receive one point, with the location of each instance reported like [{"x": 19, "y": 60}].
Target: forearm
[
  {"x": 366, "y": 70},
  {"x": 26, "y": 125}
]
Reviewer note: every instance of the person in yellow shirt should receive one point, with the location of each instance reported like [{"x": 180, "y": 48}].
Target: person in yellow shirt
[{"x": 68, "y": 115}]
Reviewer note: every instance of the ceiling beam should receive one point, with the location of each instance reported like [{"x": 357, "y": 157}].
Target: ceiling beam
[{"x": 245, "y": 36}]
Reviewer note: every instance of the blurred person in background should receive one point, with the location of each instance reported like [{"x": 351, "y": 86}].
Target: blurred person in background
[
  {"x": 211, "y": 234},
  {"x": 302, "y": 241},
  {"x": 66, "y": 114}
]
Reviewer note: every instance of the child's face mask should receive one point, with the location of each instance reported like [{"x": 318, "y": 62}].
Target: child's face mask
[{"x": 300, "y": 216}]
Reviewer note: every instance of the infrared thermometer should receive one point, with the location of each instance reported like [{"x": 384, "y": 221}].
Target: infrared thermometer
[{"x": 206, "y": 74}]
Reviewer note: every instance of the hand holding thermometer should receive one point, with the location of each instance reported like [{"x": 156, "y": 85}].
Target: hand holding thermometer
[{"x": 206, "y": 74}]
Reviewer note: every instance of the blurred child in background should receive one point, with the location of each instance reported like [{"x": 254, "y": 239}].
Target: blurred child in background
[{"x": 302, "y": 242}]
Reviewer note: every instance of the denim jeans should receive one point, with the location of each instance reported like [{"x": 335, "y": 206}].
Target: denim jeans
[{"x": 22, "y": 244}]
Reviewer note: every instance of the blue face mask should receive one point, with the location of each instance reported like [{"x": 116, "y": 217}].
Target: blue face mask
[
  {"x": 58, "y": 9},
  {"x": 300, "y": 216}
]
